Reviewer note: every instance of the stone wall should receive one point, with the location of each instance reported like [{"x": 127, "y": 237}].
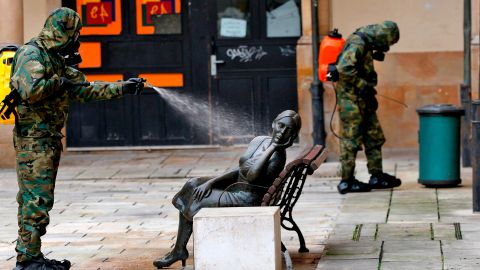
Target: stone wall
[
  {"x": 11, "y": 32},
  {"x": 475, "y": 48},
  {"x": 20, "y": 21},
  {"x": 425, "y": 67},
  {"x": 35, "y": 12}
]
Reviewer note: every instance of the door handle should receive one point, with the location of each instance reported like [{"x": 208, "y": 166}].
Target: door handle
[{"x": 213, "y": 64}]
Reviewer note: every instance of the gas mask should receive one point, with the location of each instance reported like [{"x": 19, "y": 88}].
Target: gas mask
[
  {"x": 379, "y": 52},
  {"x": 70, "y": 52}
]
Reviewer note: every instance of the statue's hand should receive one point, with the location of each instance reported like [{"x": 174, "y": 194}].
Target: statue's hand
[
  {"x": 284, "y": 145},
  {"x": 202, "y": 191}
]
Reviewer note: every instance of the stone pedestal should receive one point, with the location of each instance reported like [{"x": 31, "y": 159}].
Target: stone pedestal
[{"x": 237, "y": 238}]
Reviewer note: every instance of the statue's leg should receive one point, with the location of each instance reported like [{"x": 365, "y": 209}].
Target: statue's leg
[{"x": 179, "y": 252}]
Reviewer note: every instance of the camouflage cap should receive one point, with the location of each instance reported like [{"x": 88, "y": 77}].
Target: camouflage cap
[{"x": 59, "y": 28}]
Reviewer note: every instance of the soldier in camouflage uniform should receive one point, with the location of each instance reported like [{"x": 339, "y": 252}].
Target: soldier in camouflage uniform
[
  {"x": 46, "y": 85},
  {"x": 358, "y": 104}
]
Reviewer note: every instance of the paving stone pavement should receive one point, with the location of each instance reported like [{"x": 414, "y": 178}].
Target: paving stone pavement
[
  {"x": 410, "y": 227},
  {"x": 113, "y": 211}
]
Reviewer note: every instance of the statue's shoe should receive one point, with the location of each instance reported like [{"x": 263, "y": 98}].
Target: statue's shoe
[{"x": 171, "y": 258}]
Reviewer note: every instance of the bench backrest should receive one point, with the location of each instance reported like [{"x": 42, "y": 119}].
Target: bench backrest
[{"x": 287, "y": 187}]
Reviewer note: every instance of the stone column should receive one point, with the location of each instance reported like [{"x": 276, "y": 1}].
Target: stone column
[
  {"x": 11, "y": 32},
  {"x": 475, "y": 49},
  {"x": 11, "y": 21},
  {"x": 304, "y": 75},
  {"x": 35, "y": 13}
]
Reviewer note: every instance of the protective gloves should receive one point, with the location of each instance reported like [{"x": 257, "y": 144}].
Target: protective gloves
[
  {"x": 368, "y": 90},
  {"x": 368, "y": 94},
  {"x": 66, "y": 84},
  {"x": 371, "y": 104},
  {"x": 133, "y": 86}
]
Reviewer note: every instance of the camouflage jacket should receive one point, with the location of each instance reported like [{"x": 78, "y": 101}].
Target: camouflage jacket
[
  {"x": 355, "y": 63},
  {"x": 36, "y": 72}
]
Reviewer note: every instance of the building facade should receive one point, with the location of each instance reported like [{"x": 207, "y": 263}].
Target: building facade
[
  {"x": 229, "y": 66},
  {"x": 424, "y": 67}
]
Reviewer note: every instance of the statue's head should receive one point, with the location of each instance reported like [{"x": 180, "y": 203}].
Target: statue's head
[{"x": 286, "y": 127}]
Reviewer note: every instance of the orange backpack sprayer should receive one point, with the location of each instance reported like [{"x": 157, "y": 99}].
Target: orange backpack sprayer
[{"x": 330, "y": 48}]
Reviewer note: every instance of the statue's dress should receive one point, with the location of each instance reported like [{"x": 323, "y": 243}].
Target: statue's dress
[{"x": 240, "y": 195}]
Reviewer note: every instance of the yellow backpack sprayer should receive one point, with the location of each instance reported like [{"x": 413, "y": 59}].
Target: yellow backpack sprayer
[{"x": 7, "y": 107}]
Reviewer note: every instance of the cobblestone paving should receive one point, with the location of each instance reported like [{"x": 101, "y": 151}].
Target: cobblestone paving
[
  {"x": 411, "y": 227},
  {"x": 113, "y": 210}
]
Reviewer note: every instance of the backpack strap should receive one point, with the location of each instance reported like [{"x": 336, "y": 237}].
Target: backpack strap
[
  {"x": 12, "y": 100},
  {"x": 364, "y": 37},
  {"x": 10, "y": 104}
]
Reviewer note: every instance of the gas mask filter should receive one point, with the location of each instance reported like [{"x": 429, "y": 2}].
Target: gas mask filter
[
  {"x": 379, "y": 53},
  {"x": 70, "y": 53}
]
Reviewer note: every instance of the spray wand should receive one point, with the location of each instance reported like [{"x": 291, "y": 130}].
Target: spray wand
[{"x": 394, "y": 100}]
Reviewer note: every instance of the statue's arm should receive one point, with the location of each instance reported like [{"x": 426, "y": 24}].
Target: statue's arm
[
  {"x": 228, "y": 176},
  {"x": 253, "y": 146},
  {"x": 275, "y": 167},
  {"x": 257, "y": 168},
  {"x": 205, "y": 189}
]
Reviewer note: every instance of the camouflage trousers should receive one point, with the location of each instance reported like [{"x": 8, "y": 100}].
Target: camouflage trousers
[
  {"x": 359, "y": 126},
  {"x": 37, "y": 164}
]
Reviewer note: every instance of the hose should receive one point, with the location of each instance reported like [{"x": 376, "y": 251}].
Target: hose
[
  {"x": 333, "y": 114},
  {"x": 335, "y": 109}
]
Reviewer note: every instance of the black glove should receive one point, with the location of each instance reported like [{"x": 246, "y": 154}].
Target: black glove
[
  {"x": 368, "y": 90},
  {"x": 133, "y": 86},
  {"x": 368, "y": 95},
  {"x": 66, "y": 84},
  {"x": 371, "y": 104}
]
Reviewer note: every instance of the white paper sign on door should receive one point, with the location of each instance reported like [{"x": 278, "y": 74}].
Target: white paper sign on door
[{"x": 233, "y": 28}]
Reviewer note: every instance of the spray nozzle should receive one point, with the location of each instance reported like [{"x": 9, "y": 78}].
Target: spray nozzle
[
  {"x": 149, "y": 85},
  {"x": 334, "y": 33}
]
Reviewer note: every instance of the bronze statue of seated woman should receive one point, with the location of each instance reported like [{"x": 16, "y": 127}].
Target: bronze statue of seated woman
[{"x": 258, "y": 167}]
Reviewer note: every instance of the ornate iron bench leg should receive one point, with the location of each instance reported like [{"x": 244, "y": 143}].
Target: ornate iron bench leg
[{"x": 303, "y": 248}]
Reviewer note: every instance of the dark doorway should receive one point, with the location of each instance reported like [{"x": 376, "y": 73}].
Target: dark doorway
[
  {"x": 127, "y": 48},
  {"x": 251, "y": 49},
  {"x": 237, "y": 56}
]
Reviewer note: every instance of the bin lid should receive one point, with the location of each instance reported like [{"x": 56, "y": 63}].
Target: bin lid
[{"x": 445, "y": 109}]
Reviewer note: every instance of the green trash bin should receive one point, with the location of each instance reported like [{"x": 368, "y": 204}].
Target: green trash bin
[{"x": 439, "y": 141}]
